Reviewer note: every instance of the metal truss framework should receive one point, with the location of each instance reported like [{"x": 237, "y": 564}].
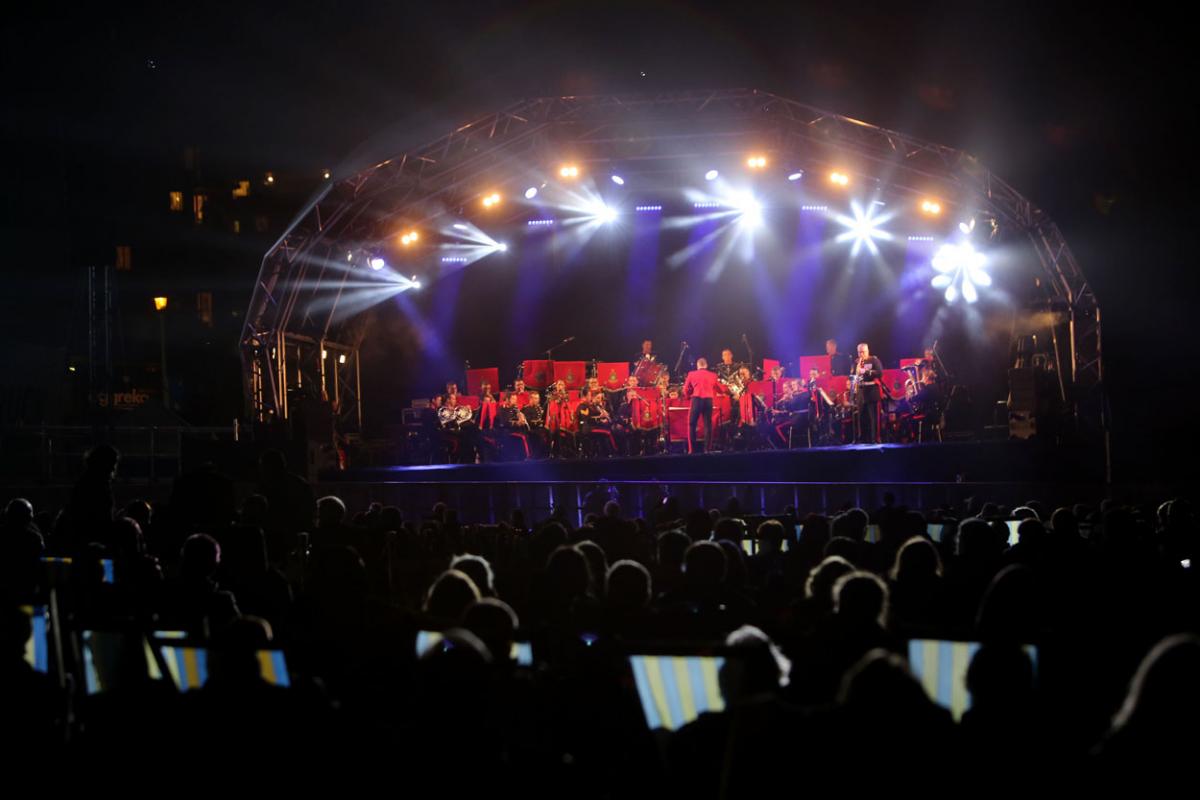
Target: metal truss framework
[{"x": 364, "y": 208}]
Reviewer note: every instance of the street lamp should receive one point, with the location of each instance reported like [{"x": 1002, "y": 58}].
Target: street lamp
[{"x": 160, "y": 307}]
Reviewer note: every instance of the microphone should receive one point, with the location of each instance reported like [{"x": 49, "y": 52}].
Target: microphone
[{"x": 567, "y": 340}]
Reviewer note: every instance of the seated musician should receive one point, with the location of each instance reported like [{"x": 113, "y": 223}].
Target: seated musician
[
  {"x": 488, "y": 407},
  {"x": 460, "y": 438},
  {"x": 636, "y": 428},
  {"x": 535, "y": 415},
  {"x": 595, "y": 423},
  {"x": 512, "y": 420},
  {"x": 559, "y": 424},
  {"x": 792, "y": 412},
  {"x": 521, "y": 392}
]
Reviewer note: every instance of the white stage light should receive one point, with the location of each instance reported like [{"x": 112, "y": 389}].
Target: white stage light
[
  {"x": 531, "y": 193},
  {"x": 863, "y": 228},
  {"x": 618, "y": 180},
  {"x": 711, "y": 175},
  {"x": 377, "y": 263},
  {"x": 961, "y": 270}
]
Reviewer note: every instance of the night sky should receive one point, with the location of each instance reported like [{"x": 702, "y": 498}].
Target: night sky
[{"x": 1089, "y": 114}]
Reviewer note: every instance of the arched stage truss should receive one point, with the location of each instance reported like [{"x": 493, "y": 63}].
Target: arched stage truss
[{"x": 289, "y": 341}]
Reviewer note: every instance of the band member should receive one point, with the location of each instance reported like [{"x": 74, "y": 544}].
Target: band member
[
  {"x": 745, "y": 413},
  {"x": 647, "y": 354},
  {"x": 539, "y": 437},
  {"x": 636, "y": 421},
  {"x": 700, "y": 387},
  {"x": 839, "y": 363},
  {"x": 521, "y": 392},
  {"x": 727, "y": 369},
  {"x": 792, "y": 412},
  {"x": 595, "y": 423},
  {"x": 487, "y": 407},
  {"x": 560, "y": 424},
  {"x": 868, "y": 371},
  {"x": 459, "y": 438},
  {"x": 513, "y": 421}
]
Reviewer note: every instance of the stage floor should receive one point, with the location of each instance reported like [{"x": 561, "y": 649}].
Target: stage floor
[
  {"x": 954, "y": 462},
  {"x": 818, "y": 479}
]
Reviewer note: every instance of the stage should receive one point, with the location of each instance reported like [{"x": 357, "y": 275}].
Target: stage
[{"x": 822, "y": 479}]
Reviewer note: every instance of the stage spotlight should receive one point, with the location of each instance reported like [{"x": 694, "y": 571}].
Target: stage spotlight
[
  {"x": 160, "y": 303},
  {"x": 491, "y": 200},
  {"x": 795, "y": 176},
  {"x": 350, "y": 255},
  {"x": 931, "y": 208},
  {"x": 618, "y": 180},
  {"x": 965, "y": 228},
  {"x": 711, "y": 175},
  {"x": 839, "y": 179},
  {"x": 502, "y": 247},
  {"x": 409, "y": 239},
  {"x": 756, "y": 162},
  {"x": 749, "y": 209},
  {"x": 863, "y": 228},
  {"x": 531, "y": 193},
  {"x": 568, "y": 171},
  {"x": 377, "y": 263},
  {"x": 342, "y": 358},
  {"x": 606, "y": 214},
  {"x": 961, "y": 269},
  {"x": 326, "y": 174}
]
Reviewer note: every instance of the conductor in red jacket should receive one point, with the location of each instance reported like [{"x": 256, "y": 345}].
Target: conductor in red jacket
[{"x": 701, "y": 386}]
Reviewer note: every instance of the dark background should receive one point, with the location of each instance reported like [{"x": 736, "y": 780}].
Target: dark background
[{"x": 1089, "y": 113}]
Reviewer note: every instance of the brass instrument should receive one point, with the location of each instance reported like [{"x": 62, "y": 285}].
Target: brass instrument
[{"x": 454, "y": 416}]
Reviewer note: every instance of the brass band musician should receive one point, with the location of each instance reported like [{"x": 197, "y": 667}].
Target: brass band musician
[{"x": 868, "y": 370}]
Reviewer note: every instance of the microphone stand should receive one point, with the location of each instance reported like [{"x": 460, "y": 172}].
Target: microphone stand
[
  {"x": 940, "y": 363},
  {"x": 679, "y": 361},
  {"x": 550, "y": 356}
]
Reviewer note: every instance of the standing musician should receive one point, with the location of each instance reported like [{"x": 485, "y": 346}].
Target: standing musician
[
  {"x": 727, "y": 369},
  {"x": 647, "y": 354},
  {"x": 868, "y": 371},
  {"x": 700, "y": 387},
  {"x": 839, "y": 363}
]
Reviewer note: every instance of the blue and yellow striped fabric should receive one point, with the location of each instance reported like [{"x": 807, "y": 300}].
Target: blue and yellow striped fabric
[
  {"x": 187, "y": 666},
  {"x": 273, "y": 667},
  {"x": 674, "y": 690},
  {"x": 37, "y": 649},
  {"x": 941, "y": 667}
]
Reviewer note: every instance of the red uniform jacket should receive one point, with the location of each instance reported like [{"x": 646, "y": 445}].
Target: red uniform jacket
[{"x": 700, "y": 383}]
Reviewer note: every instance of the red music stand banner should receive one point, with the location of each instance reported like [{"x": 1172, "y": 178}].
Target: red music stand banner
[
  {"x": 768, "y": 365},
  {"x": 910, "y": 362},
  {"x": 765, "y": 390},
  {"x": 808, "y": 362},
  {"x": 574, "y": 373},
  {"x": 536, "y": 373},
  {"x": 476, "y": 378},
  {"x": 894, "y": 380},
  {"x": 612, "y": 374},
  {"x": 469, "y": 400},
  {"x": 834, "y": 384}
]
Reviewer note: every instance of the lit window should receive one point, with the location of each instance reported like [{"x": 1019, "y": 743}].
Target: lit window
[
  {"x": 198, "y": 207},
  {"x": 124, "y": 261},
  {"x": 204, "y": 305},
  {"x": 237, "y": 226},
  {"x": 177, "y": 201},
  {"x": 242, "y": 189}
]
